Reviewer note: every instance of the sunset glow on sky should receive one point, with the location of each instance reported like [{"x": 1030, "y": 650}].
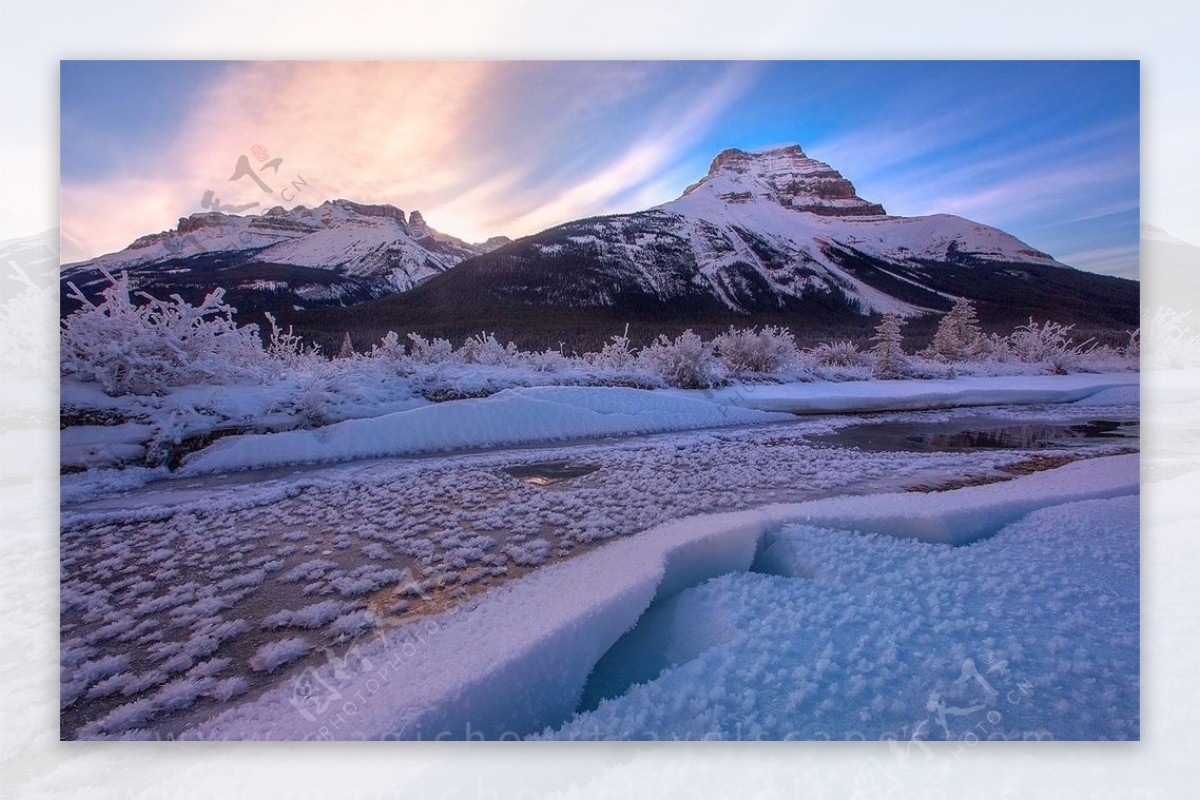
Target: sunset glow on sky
[{"x": 1048, "y": 151}]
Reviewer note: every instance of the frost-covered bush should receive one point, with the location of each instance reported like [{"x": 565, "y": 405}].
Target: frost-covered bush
[
  {"x": 993, "y": 348},
  {"x": 686, "y": 361},
  {"x": 1133, "y": 345},
  {"x": 548, "y": 361},
  {"x": 1047, "y": 343},
  {"x": 145, "y": 349},
  {"x": 750, "y": 350},
  {"x": 485, "y": 349},
  {"x": 389, "y": 349},
  {"x": 288, "y": 350},
  {"x": 616, "y": 354},
  {"x": 841, "y": 353},
  {"x": 317, "y": 393},
  {"x": 435, "y": 351}
]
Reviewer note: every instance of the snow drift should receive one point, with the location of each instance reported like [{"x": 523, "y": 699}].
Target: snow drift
[
  {"x": 514, "y": 416},
  {"x": 879, "y": 396}
]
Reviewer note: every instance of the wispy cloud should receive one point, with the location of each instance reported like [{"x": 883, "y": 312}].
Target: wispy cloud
[
  {"x": 645, "y": 159},
  {"x": 480, "y": 147},
  {"x": 1121, "y": 260}
]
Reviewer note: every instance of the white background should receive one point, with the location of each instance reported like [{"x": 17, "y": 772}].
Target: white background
[{"x": 35, "y": 35}]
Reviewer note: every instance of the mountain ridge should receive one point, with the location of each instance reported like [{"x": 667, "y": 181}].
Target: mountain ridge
[
  {"x": 343, "y": 251},
  {"x": 770, "y": 236}
]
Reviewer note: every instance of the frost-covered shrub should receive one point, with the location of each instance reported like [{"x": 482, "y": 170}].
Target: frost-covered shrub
[
  {"x": 275, "y": 655},
  {"x": 616, "y": 354},
  {"x": 389, "y": 349},
  {"x": 548, "y": 361},
  {"x": 993, "y": 348},
  {"x": 145, "y": 349},
  {"x": 484, "y": 348},
  {"x": 1133, "y": 345},
  {"x": 424, "y": 351},
  {"x": 750, "y": 350},
  {"x": 1105, "y": 358},
  {"x": 287, "y": 349},
  {"x": 841, "y": 353},
  {"x": 1047, "y": 343},
  {"x": 686, "y": 361}
]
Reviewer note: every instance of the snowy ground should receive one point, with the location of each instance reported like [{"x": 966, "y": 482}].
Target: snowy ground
[{"x": 187, "y": 596}]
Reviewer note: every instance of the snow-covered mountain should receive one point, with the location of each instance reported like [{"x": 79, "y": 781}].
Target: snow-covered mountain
[
  {"x": 771, "y": 236},
  {"x": 336, "y": 253}
]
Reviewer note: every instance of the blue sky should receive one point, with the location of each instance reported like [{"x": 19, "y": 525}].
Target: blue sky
[{"x": 1049, "y": 151}]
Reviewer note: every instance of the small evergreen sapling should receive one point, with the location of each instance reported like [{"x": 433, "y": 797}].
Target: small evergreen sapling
[{"x": 888, "y": 350}]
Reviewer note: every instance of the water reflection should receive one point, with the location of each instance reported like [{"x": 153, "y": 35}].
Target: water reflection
[{"x": 976, "y": 434}]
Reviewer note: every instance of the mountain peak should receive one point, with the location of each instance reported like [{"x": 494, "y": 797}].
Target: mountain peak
[{"x": 782, "y": 175}]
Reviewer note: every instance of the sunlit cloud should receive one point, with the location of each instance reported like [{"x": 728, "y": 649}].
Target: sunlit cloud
[
  {"x": 434, "y": 136},
  {"x": 488, "y": 148}
]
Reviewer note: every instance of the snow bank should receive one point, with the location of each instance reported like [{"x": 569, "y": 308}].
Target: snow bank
[
  {"x": 1117, "y": 396},
  {"x": 1031, "y": 635},
  {"x": 970, "y": 514},
  {"x": 511, "y": 417},
  {"x": 518, "y": 659},
  {"x": 879, "y": 396}
]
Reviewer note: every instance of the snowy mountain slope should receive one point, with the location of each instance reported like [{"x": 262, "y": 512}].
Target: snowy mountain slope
[
  {"x": 774, "y": 235},
  {"x": 352, "y": 251}
]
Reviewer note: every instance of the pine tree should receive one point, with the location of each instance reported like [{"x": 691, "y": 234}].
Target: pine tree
[
  {"x": 347, "y": 351},
  {"x": 889, "y": 355},
  {"x": 958, "y": 334}
]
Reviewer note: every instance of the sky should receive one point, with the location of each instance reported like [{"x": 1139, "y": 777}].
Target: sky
[{"x": 1048, "y": 151}]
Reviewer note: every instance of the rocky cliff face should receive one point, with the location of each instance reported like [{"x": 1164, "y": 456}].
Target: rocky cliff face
[{"x": 784, "y": 176}]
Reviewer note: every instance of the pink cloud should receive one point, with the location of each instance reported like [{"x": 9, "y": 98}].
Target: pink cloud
[{"x": 436, "y": 136}]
